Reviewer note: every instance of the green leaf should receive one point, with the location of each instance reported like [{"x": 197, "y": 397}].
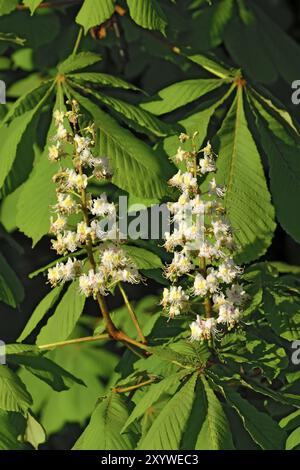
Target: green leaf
[
  {"x": 34, "y": 432},
  {"x": 293, "y": 440},
  {"x": 12, "y": 38},
  {"x": 144, "y": 259},
  {"x": 94, "y": 13},
  {"x": 247, "y": 200},
  {"x": 104, "y": 429},
  {"x": 78, "y": 61},
  {"x": 6, "y": 6},
  {"x": 211, "y": 65},
  {"x": 130, "y": 157},
  {"x": 283, "y": 157},
  {"x": 46, "y": 370},
  {"x": 11, "y": 289},
  {"x": 12, "y": 426},
  {"x": 148, "y": 14},
  {"x": 263, "y": 430},
  {"x": 32, "y": 4},
  {"x": 40, "y": 311},
  {"x": 12, "y": 133},
  {"x": 38, "y": 193},
  {"x": 215, "y": 432},
  {"x": 92, "y": 364},
  {"x": 167, "y": 430},
  {"x": 61, "y": 324},
  {"x": 180, "y": 94},
  {"x": 13, "y": 393},
  {"x": 152, "y": 395},
  {"x": 103, "y": 79},
  {"x": 134, "y": 116}
]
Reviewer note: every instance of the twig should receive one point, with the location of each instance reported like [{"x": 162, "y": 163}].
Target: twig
[
  {"x": 132, "y": 314},
  {"x": 85, "y": 339},
  {"x": 132, "y": 387}
]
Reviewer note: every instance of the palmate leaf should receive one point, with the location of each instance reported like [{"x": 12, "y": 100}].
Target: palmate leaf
[
  {"x": 214, "y": 433},
  {"x": 148, "y": 14},
  {"x": 13, "y": 393},
  {"x": 180, "y": 94},
  {"x": 103, "y": 430},
  {"x": 167, "y": 430},
  {"x": 46, "y": 370},
  {"x": 134, "y": 116},
  {"x": 198, "y": 121},
  {"x": 262, "y": 428},
  {"x": 92, "y": 364},
  {"x": 281, "y": 144},
  {"x": 261, "y": 47},
  {"x": 61, "y": 324},
  {"x": 152, "y": 395},
  {"x": 94, "y": 12},
  {"x": 130, "y": 158},
  {"x": 247, "y": 200}
]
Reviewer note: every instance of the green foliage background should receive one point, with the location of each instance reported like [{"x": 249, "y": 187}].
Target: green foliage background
[{"x": 145, "y": 71}]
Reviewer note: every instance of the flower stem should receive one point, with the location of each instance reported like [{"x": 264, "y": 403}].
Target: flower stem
[
  {"x": 85, "y": 339},
  {"x": 78, "y": 40},
  {"x": 132, "y": 387},
  {"x": 132, "y": 314},
  {"x": 207, "y": 301}
]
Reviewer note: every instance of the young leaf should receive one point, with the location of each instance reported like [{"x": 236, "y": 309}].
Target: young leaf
[
  {"x": 61, "y": 324},
  {"x": 104, "y": 429},
  {"x": 148, "y": 14},
  {"x": 167, "y": 430},
  {"x": 94, "y": 12}
]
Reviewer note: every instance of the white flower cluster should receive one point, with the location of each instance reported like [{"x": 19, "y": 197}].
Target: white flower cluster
[
  {"x": 202, "y": 247},
  {"x": 82, "y": 221},
  {"x": 113, "y": 267}
]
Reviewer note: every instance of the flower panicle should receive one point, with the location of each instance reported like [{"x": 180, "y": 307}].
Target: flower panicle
[
  {"x": 202, "y": 244},
  {"x": 79, "y": 220}
]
